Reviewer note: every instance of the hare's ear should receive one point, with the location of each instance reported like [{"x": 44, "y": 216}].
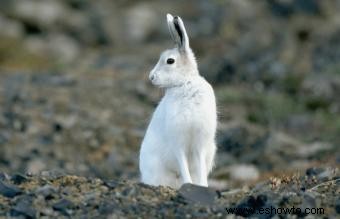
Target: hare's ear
[{"x": 178, "y": 32}]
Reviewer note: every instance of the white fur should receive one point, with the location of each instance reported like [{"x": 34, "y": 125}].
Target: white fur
[{"x": 179, "y": 144}]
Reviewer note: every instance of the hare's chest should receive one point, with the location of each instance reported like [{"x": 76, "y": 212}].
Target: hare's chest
[{"x": 187, "y": 111}]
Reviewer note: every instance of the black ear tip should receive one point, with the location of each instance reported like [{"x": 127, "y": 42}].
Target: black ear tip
[{"x": 176, "y": 18}]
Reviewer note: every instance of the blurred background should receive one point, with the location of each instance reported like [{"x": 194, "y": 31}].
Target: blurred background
[{"x": 74, "y": 94}]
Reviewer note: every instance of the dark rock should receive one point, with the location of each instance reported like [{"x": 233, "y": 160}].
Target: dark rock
[
  {"x": 248, "y": 203},
  {"x": 218, "y": 73},
  {"x": 106, "y": 208},
  {"x": 46, "y": 139},
  {"x": 4, "y": 176},
  {"x": 261, "y": 200},
  {"x": 18, "y": 178},
  {"x": 240, "y": 139},
  {"x": 4, "y": 161},
  {"x": 64, "y": 206},
  {"x": 320, "y": 91},
  {"x": 284, "y": 200},
  {"x": 337, "y": 178},
  {"x": 288, "y": 8},
  {"x": 303, "y": 35},
  {"x": 3, "y": 139},
  {"x": 326, "y": 53},
  {"x": 310, "y": 6},
  {"x": 129, "y": 191},
  {"x": 31, "y": 28},
  {"x": 143, "y": 185},
  {"x": 313, "y": 171},
  {"x": 78, "y": 4},
  {"x": 308, "y": 201},
  {"x": 9, "y": 191},
  {"x": 57, "y": 127},
  {"x": 281, "y": 9},
  {"x": 23, "y": 208},
  {"x": 228, "y": 143},
  {"x": 15, "y": 121},
  {"x": 198, "y": 194},
  {"x": 337, "y": 206},
  {"x": 46, "y": 191},
  {"x": 111, "y": 184},
  {"x": 253, "y": 204},
  {"x": 52, "y": 79},
  {"x": 101, "y": 36},
  {"x": 226, "y": 72}
]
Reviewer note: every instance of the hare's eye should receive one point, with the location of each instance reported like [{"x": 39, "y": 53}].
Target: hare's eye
[{"x": 170, "y": 61}]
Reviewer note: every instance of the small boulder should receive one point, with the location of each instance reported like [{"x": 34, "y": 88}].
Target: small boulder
[{"x": 198, "y": 194}]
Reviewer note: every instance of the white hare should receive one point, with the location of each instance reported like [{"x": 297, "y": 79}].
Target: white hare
[{"x": 179, "y": 144}]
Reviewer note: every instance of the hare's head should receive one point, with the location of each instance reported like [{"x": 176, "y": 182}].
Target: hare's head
[{"x": 177, "y": 64}]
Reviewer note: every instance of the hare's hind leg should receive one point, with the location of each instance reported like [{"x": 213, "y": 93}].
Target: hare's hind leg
[
  {"x": 210, "y": 156},
  {"x": 199, "y": 168},
  {"x": 183, "y": 166},
  {"x": 203, "y": 161}
]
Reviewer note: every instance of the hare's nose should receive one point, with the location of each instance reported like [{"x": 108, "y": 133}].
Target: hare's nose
[{"x": 152, "y": 77}]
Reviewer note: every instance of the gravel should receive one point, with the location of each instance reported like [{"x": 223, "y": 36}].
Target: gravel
[{"x": 77, "y": 197}]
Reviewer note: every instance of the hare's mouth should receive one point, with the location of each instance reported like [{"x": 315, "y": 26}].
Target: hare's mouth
[{"x": 155, "y": 83}]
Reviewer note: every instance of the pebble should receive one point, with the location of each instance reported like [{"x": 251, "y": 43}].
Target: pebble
[
  {"x": 252, "y": 202},
  {"x": 46, "y": 191},
  {"x": 23, "y": 208},
  {"x": 337, "y": 205},
  {"x": 3, "y": 176},
  {"x": 18, "y": 178},
  {"x": 106, "y": 208},
  {"x": 308, "y": 202},
  {"x": 111, "y": 184},
  {"x": 64, "y": 206},
  {"x": 53, "y": 80},
  {"x": 313, "y": 171},
  {"x": 9, "y": 191},
  {"x": 35, "y": 166}
]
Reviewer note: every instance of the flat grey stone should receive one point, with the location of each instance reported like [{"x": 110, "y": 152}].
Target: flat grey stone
[
  {"x": 198, "y": 194},
  {"x": 9, "y": 191}
]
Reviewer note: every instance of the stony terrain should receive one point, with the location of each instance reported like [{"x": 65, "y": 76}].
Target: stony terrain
[
  {"x": 75, "y": 102},
  {"x": 53, "y": 194}
]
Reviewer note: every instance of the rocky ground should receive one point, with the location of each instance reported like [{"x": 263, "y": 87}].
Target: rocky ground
[
  {"x": 53, "y": 194},
  {"x": 75, "y": 102}
]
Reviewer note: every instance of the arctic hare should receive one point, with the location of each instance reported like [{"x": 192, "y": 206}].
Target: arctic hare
[{"x": 179, "y": 144}]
